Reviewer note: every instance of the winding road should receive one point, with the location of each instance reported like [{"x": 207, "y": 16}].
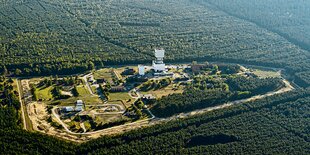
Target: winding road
[
  {"x": 154, "y": 120},
  {"x": 146, "y": 122}
]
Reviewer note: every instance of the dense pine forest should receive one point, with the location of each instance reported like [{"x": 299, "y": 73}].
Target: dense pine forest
[
  {"x": 196, "y": 98},
  {"x": 274, "y": 125},
  {"x": 64, "y": 37},
  {"x": 15, "y": 140},
  {"x": 49, "y": 37}
]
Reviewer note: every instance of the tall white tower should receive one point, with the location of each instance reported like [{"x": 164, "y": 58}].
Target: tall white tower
[{"x": 158, "y": 63}]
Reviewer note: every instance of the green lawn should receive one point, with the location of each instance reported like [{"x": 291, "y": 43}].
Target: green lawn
[
  {"x": 83, "y": 95},
  {"x": 88, "y": 100},
  {"x": 105, "y": 73},
  {"x": 165, "y": 91},
  {"x": 94, "y": 89},
  {"x": 45, "y": 93},
  {"x": 82, "y": 90},
  {"x": 119, "y": 96}
]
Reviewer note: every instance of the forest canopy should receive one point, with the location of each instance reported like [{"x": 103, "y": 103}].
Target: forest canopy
[
  {"x": 44, "y": 37},
  {"x": 64, "y": 37}
]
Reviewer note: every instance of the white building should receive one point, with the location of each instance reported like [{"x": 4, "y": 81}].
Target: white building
[
  {"x": 79, "y": 105},
  {"x": 158, "y": 63},
  {"x": 141, "y": 69},
  {"x": 68, "y": 109}
]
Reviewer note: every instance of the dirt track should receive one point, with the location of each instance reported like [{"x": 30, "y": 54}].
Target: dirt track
[
  {"x": 149, "y": 122},
  {"x": 22, "y": 105},
  {"x": 82, "y": 137}
]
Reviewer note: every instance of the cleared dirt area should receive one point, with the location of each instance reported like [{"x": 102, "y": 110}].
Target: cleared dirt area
[
  {"x": 149, "y": 122},
  {"x": 39, "y": 115},
  {"x": 47, "y": 118}
]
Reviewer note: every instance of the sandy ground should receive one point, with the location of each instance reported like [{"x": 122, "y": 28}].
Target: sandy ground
[
  {"x": 38, "y": 115},
  {"x": 149, "y": 122}
]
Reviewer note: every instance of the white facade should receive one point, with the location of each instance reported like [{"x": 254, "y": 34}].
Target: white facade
[
  {"x": 158, "y": 63},
  {"x": 69, "y": 109},
  {"x": 141, "y": 70},
  {"x": 159, "y": 53},
  {"x": 79, "y": 105},
  {"x": 79, "y": 102},
  {"x": 158, "y": 67}
]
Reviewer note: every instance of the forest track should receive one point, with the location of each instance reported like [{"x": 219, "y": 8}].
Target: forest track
[{"x": 21, "y": 104}]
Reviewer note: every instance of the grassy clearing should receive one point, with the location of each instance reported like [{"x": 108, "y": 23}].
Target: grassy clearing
[
  {"x": 82, "y": 90},
  {"x": 115, "y": 102},
  {"x": 165, "y": 91},
  {"x": 117, "y": 74},
  {"x": 108, "y": 118},
  {"x": 45, "y": 93},
  {"x": 105, "y": 73},
  {"x": 88, "y": 100},
  {"x": 266, "y": 74},
  {"x": 15, "y": 84},
  {"x": 119, "y": 96},
  {"x": 94, "y": 89}
]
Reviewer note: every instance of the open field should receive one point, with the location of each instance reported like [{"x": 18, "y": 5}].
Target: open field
[
  {"x": 115, "y": 102},
  {"x": 266, "y": 74},
  {"x": 88, "y": 100},
  {"x": 45, "y": 93},
  {"x": 119, "y": 96},
  {"x": 94, "y": 89},
  {"x": 165, "y": 91},
  {"x": 105, "y": 73},
  {"x": 82, "y": 90}
]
